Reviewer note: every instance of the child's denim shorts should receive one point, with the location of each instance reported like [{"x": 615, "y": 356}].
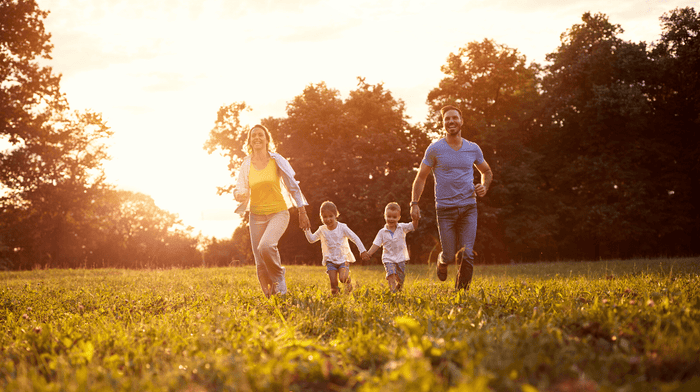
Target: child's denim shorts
[
  {"x": 335, "y": 267},
  {"x": 396, "y": 268}
]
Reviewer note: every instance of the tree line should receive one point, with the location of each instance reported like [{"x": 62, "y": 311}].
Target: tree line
[
  {"x": 594, "y": 155},
  {"x": 56, "y": 207}
]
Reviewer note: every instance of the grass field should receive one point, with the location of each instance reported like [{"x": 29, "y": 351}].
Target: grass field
[{"x": 609, "y": 326}]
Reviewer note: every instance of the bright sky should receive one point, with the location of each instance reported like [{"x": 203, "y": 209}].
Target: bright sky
[{"x": 158, "y": 70}]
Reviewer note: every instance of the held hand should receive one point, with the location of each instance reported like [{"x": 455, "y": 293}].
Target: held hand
[
  {"x": 304, "y": 223},
  {"x": 480, "y": 190},
  {"x": 365, "y": 256},
  {"x": 415, "y": 212}
]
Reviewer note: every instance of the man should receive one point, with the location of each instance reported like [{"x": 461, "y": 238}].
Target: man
[{"x": 452, "y": 160}]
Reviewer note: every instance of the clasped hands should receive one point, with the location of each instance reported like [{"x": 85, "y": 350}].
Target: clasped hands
[{"x": 365, "y": 256}]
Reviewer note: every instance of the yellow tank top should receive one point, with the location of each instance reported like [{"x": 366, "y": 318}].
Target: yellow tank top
[{"x": 265, "y": 192}]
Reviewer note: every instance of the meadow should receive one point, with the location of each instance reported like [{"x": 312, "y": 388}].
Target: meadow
[{"x": 629, "y": 325}]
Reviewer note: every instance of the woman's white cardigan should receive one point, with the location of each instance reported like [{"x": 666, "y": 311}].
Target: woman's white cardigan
[{"x": 290, "y": 187}]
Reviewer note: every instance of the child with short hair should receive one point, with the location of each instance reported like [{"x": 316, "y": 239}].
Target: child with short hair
[
  {"x": 337, "y": 255},
  {"x": 392, "y": 237}
]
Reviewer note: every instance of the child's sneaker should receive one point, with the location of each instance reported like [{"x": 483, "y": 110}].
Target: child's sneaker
[{"x": 282, "y": 284}]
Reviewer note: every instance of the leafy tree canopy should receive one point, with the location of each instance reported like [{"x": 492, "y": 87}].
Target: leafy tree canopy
[{"x": 28, "y": 91}]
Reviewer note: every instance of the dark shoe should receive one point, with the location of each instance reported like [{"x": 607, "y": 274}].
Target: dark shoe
[
  {"x": 441, "y": 271},
  {"x": 464, "y": 273}
]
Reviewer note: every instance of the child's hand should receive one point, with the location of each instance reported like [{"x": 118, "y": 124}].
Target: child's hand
[{"x": 365, "y": 256}]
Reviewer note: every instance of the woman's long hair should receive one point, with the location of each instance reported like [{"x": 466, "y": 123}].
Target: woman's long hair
[{"x": 268, "y": 136}]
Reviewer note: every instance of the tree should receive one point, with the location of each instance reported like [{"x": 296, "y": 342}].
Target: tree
[
  {"x": 595, "y": 146},
  {"x": 54, "y": 161},
  {"x": 497, "y": 92},
  {"x": 56, "y": 209},
  {"x": 131, "y": 231},
  {"x": 493, "y": 85},
  {"x": 229, "y": 137},
  {"x": 235, "y": 251},
  {"x": 674, "y": 90},
  {"x": 29, "y": 93},
  {"x": 51, "y": 185}
]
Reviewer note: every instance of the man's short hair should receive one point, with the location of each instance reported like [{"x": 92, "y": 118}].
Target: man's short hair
[{"x": 447, "y": 108}]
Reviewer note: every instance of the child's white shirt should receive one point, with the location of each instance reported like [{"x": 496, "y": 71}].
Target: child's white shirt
[
  {"x": 394, "y": 243},
  {"x": 334, "y": 243}
]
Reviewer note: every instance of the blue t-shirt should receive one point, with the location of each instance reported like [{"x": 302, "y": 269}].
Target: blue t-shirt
[{"x": 453, "y": 172}]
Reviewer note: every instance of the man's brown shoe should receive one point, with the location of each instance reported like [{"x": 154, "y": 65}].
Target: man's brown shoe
[{"x": 441, "y": 271}]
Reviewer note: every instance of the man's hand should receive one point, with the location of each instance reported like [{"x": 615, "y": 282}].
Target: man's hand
[
  {"x": 415, "y": 212},
  {"x": 480, "y": 190}
]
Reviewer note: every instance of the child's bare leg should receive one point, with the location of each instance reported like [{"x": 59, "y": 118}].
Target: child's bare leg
[
  {"x": 392, "y": 280},
  {"x": 345, "y": 277},
  {"x": 343, "y": 274},
  {"x": 400, "y": 275},
  {"x": 333, "y": 277}
]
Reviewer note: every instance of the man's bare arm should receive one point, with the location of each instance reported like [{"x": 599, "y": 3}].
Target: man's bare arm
[
  {"x": 417, "y": 190},
  {"x": 486, "y": 178}
]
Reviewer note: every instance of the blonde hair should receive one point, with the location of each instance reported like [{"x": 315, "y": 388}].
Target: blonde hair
[
  {"x": 270, "y": 145},
  {"x": 393, "y": 206},
  {"x": 329, "y": 206}
]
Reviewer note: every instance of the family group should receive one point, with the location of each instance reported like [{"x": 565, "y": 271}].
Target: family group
[{"x": 266, "y": 188}]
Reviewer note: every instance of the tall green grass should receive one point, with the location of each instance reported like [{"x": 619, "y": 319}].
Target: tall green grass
[{"x": 616, "y": 325}]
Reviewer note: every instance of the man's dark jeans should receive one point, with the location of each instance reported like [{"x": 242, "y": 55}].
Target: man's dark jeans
[{"x": 457, "y": 228}]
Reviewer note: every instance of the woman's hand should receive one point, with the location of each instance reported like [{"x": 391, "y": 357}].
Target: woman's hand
[{"x": 304, "y": 223}]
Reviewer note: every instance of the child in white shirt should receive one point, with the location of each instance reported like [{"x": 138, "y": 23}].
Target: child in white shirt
[
  {"x": 392, "y": 237},
  {"x": 337, "y": 255}
]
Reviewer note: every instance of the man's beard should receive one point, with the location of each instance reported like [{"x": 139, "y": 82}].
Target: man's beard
[{"x": 453, "y": 131}]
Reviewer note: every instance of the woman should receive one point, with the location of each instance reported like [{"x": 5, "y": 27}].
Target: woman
[{"x": 265, "y": 184}]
